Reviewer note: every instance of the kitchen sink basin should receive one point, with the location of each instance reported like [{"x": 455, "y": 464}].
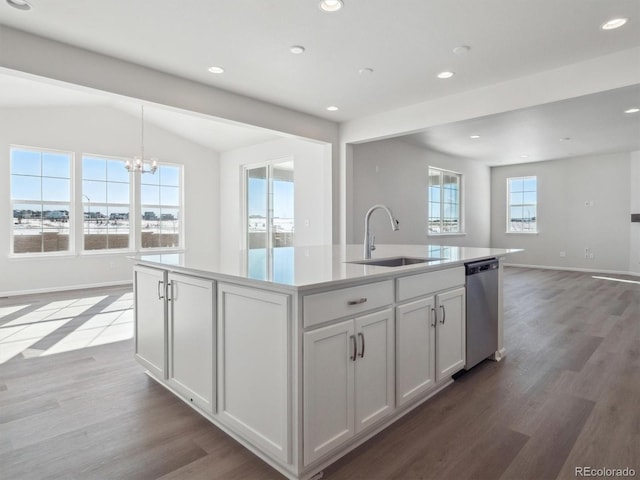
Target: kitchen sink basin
[{"x": 395, "y": 261}]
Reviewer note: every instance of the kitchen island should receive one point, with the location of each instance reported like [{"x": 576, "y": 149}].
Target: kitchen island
[{"x": 303, "y": 355}]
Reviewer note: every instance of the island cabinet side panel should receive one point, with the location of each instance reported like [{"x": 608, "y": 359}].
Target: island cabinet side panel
[
  {"x": 150, "y": 319},
  {"x": 191, "y": 343},
  {"x": 254, "y": 370}
]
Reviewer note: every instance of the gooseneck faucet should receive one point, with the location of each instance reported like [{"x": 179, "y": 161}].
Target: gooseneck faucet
[{"x": 369, "y": 239}]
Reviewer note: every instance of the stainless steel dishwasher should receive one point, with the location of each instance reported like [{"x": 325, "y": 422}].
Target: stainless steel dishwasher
[{"x": 482, "y": 310}]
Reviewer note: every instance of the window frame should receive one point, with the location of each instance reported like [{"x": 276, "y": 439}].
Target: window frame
[
  {"x": 181, "y": 210},
  {"x": 132, "y": 229},
  {"x": 71, "y": 221},
  {"x": 461, "y": 222},
  {"x": 521, "y": 205},
  {"x": 76, "y": 207}
]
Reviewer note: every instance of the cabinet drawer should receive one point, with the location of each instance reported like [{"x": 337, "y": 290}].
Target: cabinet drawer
[
  {"x": 416, "y": 285},
  {"x": 323, "y": 307}
]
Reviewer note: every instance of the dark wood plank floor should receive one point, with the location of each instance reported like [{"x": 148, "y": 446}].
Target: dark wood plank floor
[{"x": 567, "y": 395}]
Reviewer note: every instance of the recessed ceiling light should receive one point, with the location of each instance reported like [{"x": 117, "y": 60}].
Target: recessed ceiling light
[
  {"x": 365, "y": 71},
  {"x": 565, "y": 139},
  {"x": 474, "y": 136},
  {"x": 20, "y": 4},
  {"x": 613, "y": 23},
  {"x": 216, "y": 69},
  {"x": 524, "y": 156},
  {"x": 462, "y": 49},
  {"x": 446, "y": 74},
  {"x": 331, "y": 5},
  {"x": 296, "y": 49},
  {"x": 332, "y": 108},
  {"x": 632, "y": 110}
]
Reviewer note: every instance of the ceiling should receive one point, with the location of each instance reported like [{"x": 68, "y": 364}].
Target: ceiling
[
  {"x": 587, "y": 125},
  {"x": 406, "y": 43},
  {"x": 251, "y": 40},
  {"x": 216, "y": 134}
]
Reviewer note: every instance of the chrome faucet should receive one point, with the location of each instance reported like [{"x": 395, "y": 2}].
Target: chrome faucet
[{"x": 369, "y": 239}]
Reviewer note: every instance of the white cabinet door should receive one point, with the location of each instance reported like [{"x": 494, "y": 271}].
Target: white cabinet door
[
  {"x": 191, "y": 339},
  {"x": 450, "y": 332},
  {"x": 415, "y": 349},
  {"x": 329, "y": 357},
  {"x": 150, "y": 319},
  {"x": 254, "y": 373},
  {"x": 374, "y": 365}
]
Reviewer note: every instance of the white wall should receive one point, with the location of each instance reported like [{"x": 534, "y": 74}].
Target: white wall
[
  {"x": 32, "y": 55},
  {"x": 394, "y": 173},
  {"x": 564, "y": 222},
  {"x": 312, "y": 190},
  {"x": 103, "y": 131},
  {"x": 634, "y": 228}
]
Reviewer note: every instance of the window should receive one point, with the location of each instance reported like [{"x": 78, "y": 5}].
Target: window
[
  {"x": 522, "y": 205},
  {"x": 41, "y": 200},
  {"x": 161, "y": 207},
  {"x": 444, "y": 202},
  {"x": 269, "y": 220},
  {"x": 105, "y": 197}
]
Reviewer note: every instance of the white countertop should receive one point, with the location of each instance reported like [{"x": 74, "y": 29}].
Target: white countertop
[{"x": 315, "y": 266}]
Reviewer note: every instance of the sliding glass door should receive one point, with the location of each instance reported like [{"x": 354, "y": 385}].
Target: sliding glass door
[{"x": 269, "y": 220}]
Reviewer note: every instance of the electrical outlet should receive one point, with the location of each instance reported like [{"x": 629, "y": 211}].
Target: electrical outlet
[
  {"x": 586, "y": 252},
  {"x": 563, "y": 254},
  {"x": 591, "y": 256}
]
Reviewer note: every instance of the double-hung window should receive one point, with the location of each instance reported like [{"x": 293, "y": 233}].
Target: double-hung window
[
  {"x": 444, "y": 202},
  {"x": 522, "y": 205},
  {"x": 40, "y": 200},
  {"x": 161, "y": 207},
  {"x": 105, "y": 201}
]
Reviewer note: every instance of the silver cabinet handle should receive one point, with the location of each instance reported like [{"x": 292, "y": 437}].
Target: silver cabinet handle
[
  {"x": 160, "y": 296},
  {"x": 361, "y": 336},
  {"x": 357, "y": 302},
  {"x": 354, "y": 346},
  {"x": 169, "y": 290},
  {"x": 444, "y": 314},
  {"x": 435, "y": 317}
]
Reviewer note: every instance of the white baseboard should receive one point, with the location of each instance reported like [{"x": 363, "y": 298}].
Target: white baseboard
[
  {"x": 65, "y": 288},
  {"x": 573, "y": 269}
]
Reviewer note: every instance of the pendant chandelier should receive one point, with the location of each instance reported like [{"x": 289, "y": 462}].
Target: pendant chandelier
[{"x": 140, "y": 164}]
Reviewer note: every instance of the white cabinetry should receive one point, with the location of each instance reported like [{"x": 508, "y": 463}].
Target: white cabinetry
[
  {"x": 174, "y": 330},
  {"x": 450, "y": 332},
  {"x": 192, "y": 338},
  {"x": 415, "y": 355},
  {"x": 150, "y": 319},
  {"x": 254, "y": 368},
  {"x": 430, "y": 331},
  {"x": 348, "y": 380}
]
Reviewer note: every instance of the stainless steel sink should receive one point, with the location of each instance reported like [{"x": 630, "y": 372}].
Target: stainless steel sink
[{"x": 395, "y": 261}]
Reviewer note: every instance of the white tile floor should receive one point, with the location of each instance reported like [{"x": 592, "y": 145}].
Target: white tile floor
[{"x": 112, "y": 323}]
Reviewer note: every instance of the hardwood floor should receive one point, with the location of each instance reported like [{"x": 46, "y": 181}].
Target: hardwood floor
[{"x": 567, "y": 395}]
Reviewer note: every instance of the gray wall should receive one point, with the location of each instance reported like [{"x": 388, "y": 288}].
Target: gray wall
[
  {"x": 565, "y": 224},
  {"x": 394, "y": 173}
]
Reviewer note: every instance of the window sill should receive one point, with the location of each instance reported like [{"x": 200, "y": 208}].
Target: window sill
[
  {"x": 106, "y": 251},
  {"x": 447, "y": 234},
  {"x": 41, "y": 256},
  {"x": 521, "y": 233}
]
